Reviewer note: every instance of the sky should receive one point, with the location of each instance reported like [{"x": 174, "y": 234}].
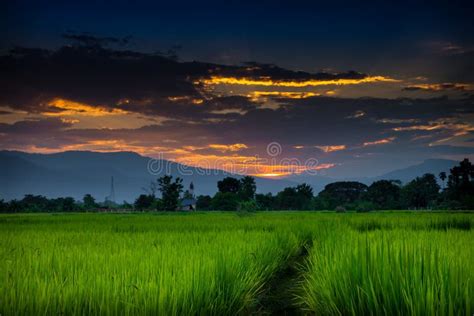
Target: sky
[{"x": 269, "y": 89}]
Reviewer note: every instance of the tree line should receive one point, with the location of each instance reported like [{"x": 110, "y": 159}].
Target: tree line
[{"x": 456, "y": 192}]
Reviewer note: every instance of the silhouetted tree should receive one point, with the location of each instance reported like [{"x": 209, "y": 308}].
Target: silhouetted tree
[
  {"x": 461, "y": 184},
  {"x": 247, "y": 188},
  {"x": 225, "y": 201},
  {"x": 287, "y": 199},
  {"x": 144, "y": 202},
  {"x": 384, "y": 194},
  {"x": 305, "y": 196},
  {"x": 68, "y": 204},
  {"x": 89, "y": 202},
  {"x": 342, "y": 193},
  {"x": 170, "y": 192},
  {"x": 228, "y": 185},
  {"x": 203, "y": 202},
  {"x": 4, "y": 207},
  {"x": 37, "y": 203},
  {"x": 265, "y": 202},
  {"x": 420, "y": 192}
]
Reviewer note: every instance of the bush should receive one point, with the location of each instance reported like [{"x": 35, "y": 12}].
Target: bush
[
  {"x": 225, "y": 201},
  {"x": 247, "y": 206}
]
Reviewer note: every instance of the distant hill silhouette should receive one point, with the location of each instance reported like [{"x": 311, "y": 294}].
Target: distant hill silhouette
[
  {"x": 75, "y": 173},
  {"x": 434, "y": 166}
]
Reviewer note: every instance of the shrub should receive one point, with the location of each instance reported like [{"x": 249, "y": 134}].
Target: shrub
[{"x": 247, "y": 206}]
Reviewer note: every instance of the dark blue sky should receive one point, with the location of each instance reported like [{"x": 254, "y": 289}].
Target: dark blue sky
[{"x": 369, "y": 37}]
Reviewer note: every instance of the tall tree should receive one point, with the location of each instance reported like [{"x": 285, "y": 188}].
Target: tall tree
[
  {"x": 89, "y": 202},
  {"x": 461, "y": 184},
  {"x": 342, "y": 193},
  {"x": 225, "y": 201},
  {"x": 305, "y": 196},
  {"x": 420, "y": 192},
  {"x": 287, "y": 199},
  {"x": 385, "y": 194},
  {"x": 265, "y": 202},
  {"x": 144, "y": 202},
  {"x": 247, "y": 188},
  {"x": 203, "y": 202},
  {"x": 170, "y": 191},
  {"x": 228, "y": 185}
]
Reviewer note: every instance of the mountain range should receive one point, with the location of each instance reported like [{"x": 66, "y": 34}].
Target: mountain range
[{"x": 76, "y": 173}]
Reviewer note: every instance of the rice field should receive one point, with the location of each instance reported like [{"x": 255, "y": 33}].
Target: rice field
[{"x": 220, "y": 263}]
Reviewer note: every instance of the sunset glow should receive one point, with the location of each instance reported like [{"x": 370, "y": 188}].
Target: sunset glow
[
  {"x": 62, "y": 107},
  {"x": 268, "y": 82}
]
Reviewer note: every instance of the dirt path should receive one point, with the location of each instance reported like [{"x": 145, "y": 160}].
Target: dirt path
[{"x": 279, "y": 298}]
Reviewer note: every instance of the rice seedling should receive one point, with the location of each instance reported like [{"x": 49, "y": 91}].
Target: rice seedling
[
  {"x": 403, "y": 272},
  {"x": 136, "y": 266},
  {"x": 221, "y": 263}
]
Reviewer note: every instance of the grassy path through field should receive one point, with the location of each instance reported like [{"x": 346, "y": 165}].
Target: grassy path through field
[{"x": 279, "y": 297}]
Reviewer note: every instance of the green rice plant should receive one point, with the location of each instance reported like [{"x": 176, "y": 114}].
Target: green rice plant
[
  {"x": 451, "y": 223},
  {"x": 402, "y": 272},
  {"x": 139, "y": 265},
  {"x": 219, "y": 263}
]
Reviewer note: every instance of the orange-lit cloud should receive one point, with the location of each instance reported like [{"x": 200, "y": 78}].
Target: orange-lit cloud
[
  {"x": 379, "y": 142},
  {"x": 186, "y": 98},
  {"x": 62, "y": 107},
  {"x": 448, "y": 124},
  {"x": 258, "y": 95},
  {"x": 328, "y": 149},
  {"x": 438, "y": 87},
  {"x": 224, "y": 148},
  {"x": 268, "y": 82},
  {"x": 113, "y": 145}
]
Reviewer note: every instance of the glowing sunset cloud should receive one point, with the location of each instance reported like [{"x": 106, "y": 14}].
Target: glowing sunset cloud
[
  {"x": 257, "y": 95},
  {"x": 437, "y": 87},
  {"x": 379, "y": 142},
  {"x": 278, "y": 171},
  {"x": 328, "y": 149},
  {"x": 68, "y": 107},
  {"x": 241, "y": 164},
  {"x": 186, "y": 98},
  {"x": 437, "y": 126},
  {"x": 268, "y": 82},
  {"x": 233, "y": 147}
]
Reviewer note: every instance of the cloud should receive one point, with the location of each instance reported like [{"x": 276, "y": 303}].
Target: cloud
[
  {"x": 226, "y": 148},
  {"x": 379, "y": 142},
  {"x": 62, "y": 107},
  {"x": 331, "y": 148},
  {"x": 270, "y": 82},
  {"x": 92, "y": 40},
  {"x": 447, "y": 48},
  {"x": 96, "y": 98},
  {"x": 440, "y": 87}
]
